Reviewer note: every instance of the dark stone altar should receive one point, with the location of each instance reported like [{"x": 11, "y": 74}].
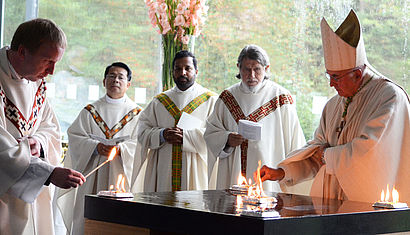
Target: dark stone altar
[{"x": 215, "y": 212}]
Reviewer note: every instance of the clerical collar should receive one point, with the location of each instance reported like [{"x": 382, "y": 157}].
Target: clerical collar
[
  {"x": 115, "y": 101},
  {"x": 255, "y": 89},
  {"x": 187, "y": 90}
]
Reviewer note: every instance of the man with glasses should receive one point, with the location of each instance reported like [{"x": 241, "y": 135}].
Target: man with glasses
[
  {"x": 363, "y": 141},
  {"x": 257, "y": 99},
  {"x": 111, "y": 118}
]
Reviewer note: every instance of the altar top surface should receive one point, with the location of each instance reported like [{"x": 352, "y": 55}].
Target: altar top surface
[{"x": 218, "y": 208}]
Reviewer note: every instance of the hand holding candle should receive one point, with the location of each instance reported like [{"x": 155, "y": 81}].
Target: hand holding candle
[{"x": 113, "y": 153}]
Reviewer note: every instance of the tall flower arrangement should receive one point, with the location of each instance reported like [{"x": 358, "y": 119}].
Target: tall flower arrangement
[{"x": 177, "y": 21}]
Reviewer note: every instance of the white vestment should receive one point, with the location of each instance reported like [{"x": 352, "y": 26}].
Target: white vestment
[
  {"x": 83, "y": 156},
  {"x": 372, "y": 151},
  {"x": 155, "y": 174},
  {"x": 281, "y": 134},
  {"x": 25, "y": 205}
]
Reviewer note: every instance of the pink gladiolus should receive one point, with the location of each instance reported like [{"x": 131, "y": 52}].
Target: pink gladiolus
[
  {"x": 180, "y": 9},
  {"x": 188, "y": 17},
  {"x": 185, "y": 39},
  {"x": 152, "y": 15},
  {"x": 165, "y": 27},
  {"x": 187, "y": 13},
  {"x": 179, "y": 20},
  {"x": 162, "y": 8},
  {"x": 185, "y": 3},
  {"x": 194, "y": 21}
]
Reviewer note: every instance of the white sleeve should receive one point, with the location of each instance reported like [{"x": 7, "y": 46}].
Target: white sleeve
[
  {"x": 29, "y": 186},
  {"x": 226, "y": 152}
]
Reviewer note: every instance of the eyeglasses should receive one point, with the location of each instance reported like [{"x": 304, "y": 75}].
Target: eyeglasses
[
  {"x": 337, "y": 78},
  {"x": 112, "y": 76}
]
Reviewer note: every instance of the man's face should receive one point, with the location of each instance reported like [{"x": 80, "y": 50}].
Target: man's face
[
  {"x": 345, "y": 82},
  {"x": 116, "y": 82},
  {"x": 184, "y": 73},
  {"x": 252, "y": 73},
  {"x": 38, "y": 65}
]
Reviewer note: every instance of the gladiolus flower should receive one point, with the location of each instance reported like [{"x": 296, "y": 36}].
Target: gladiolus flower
[
  {"x": 179, "y": 20},
  {"x": 185, "y": 39},
  {"x": 186, "y": 17}
]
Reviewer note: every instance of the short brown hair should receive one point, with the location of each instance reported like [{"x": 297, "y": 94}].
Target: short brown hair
[{"x": 31, "y": 34}]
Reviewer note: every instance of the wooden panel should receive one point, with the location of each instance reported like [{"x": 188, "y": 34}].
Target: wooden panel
[{"x": 94, "y": 227}]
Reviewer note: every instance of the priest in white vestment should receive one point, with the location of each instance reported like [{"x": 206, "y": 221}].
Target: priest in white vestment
[
  {"x": 363, "y": 141},
  {"x": 170, "y": 131},
  {"x": 30, "y": 146},
  {"x": 113, "y": 117},
  {"x": 255, "y": 99}
]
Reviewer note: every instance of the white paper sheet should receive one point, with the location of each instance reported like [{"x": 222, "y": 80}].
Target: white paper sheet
[
  {"x": 140, "y": 95},
  {"x": 250, "y": 130},
  {"x": 189, "y": 122},
  {"x": 111, "y": 142}
]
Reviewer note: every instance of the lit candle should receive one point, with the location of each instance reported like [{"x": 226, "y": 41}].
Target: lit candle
[{"x": 111, "y": 156}]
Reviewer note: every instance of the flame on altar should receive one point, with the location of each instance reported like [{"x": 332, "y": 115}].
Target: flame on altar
[
  {"x": 385, "y": 197},
  {"x": 390, "y": 199},
  {"x": 119, "y": 185}
]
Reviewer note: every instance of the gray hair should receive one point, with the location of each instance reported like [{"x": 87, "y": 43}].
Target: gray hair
[{"x": 254, "y": 52}]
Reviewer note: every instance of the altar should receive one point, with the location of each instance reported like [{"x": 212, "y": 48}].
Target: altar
[{"x": 215, "y": 212}]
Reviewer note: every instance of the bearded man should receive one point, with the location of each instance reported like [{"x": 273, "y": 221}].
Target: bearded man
[
  {"x": 174, "y": 158},
  {"x": 255, "y": 99}
]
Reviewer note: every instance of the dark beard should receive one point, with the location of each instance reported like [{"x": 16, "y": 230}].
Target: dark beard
[{"x": 184, "y": 85}]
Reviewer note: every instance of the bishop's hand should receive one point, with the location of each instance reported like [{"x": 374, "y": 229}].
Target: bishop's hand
[{"x": 268, "y": 173}]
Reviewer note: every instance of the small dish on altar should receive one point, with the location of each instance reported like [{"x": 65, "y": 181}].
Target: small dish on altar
[
  {"x": 239, "y": 189},
  {"x": 261, "y": 213},
  {"x": 391, "y": 205},
  {"x": 390, "y": 200},
  {"x": 115, "y": 194},
  {"x": 259, "y": 200}
]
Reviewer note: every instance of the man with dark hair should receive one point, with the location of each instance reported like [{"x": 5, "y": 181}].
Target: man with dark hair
[
  {"x": 175, "y": 158},
  {"x": 112, "y": 117},
  {"x": 362, "y": 144},
  {"x": 30, "y": 146},
  {"x": 255, "y": 99}
]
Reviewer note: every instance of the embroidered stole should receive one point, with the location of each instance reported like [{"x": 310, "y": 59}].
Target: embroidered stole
[
  {"x": 255, "y": 116},
  {"x": 177, "y": 148},
  {"x": 14, "y": 115},
  {"x": 109, "y": 133}
]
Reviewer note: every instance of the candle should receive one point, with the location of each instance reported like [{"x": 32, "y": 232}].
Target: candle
[{"x": 111, "y": 156}]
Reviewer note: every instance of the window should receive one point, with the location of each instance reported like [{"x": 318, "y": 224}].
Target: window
[{"x": 101, "y": 32}]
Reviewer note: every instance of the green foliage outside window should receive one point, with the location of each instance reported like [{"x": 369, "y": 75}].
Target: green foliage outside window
[{"x": 100, "y": 32}]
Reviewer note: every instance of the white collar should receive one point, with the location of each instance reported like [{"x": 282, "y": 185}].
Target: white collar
[{"x": 115, "y": 101}]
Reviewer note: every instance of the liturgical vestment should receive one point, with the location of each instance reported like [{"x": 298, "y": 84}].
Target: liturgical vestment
[
  {"x": 371, "y": 151},
  {"x": 25, "y": 203},
  {"x": 271, "y": 106},
  {"x": 108, "y": 119},
  {"x": 156, "y": 171}
]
